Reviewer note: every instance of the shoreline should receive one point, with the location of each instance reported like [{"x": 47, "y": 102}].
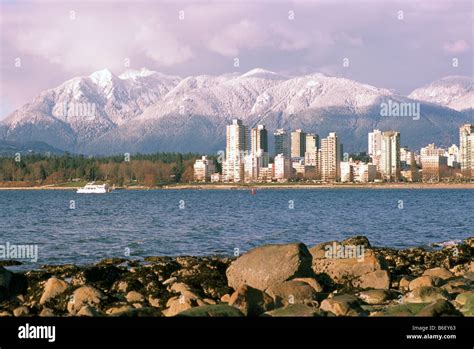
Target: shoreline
[
  {"x": 260, "y": 186},
  {"x": 356, "y": 279}
]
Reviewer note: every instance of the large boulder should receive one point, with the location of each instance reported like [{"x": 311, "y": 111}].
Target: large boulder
[
  {"x": 250, "y": 301},
  {"x": 268, "y": 265},
  {"x": 351, "y": 261}
]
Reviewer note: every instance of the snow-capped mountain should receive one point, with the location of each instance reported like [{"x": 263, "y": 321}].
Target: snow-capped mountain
[
  {"x": 455, "y": 92},
  {"x": 146, "y": 111},
  {"x": 83, "y": 108}
]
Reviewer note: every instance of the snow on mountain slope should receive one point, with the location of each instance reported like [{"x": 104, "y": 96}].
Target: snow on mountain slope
[
  {"x": 84, "y": 108},
  {"x": 456, "y": 92},
  {"x": 146, "y": 111}
]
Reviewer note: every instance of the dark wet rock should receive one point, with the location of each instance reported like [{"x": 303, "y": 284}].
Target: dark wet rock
[
  {"x": 206, "y": 274},
  {"x": 138, "y": 312},
  {"x": 9, "y": 263},
  {"x": 11, "y": 284},
  {"x": 218, "y": 310},
  {"x": 113, "y": 261},
  {"x": 100, "y": 276},
  {"x": 265, "y": 266},
  {"x": 61, "y": 271},
  {"x": 356, "y": 241}
]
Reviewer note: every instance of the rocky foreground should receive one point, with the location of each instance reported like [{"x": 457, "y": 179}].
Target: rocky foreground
[{"x": 272, "y": 280}]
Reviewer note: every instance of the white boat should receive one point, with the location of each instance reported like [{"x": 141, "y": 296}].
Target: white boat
[{"x": 91, "y": 188}]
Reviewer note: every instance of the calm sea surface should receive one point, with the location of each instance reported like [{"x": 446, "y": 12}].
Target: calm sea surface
[{"x": 203, "y": 222}]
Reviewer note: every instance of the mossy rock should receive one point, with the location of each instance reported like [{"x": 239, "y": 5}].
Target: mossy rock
[
  {"x": 295, "y": 310},
  {"x": 214, "y": 310},
  {"x": 410, "y": 309}
]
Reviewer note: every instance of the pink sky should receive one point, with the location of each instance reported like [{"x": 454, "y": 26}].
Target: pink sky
[{"x": 56, "y": 41}]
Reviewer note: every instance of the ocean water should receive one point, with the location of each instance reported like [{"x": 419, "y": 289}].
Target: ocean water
[{"x": 204, "y": 222}]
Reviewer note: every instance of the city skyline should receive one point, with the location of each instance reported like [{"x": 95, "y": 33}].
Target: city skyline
[{"x": 299, "y": 154}]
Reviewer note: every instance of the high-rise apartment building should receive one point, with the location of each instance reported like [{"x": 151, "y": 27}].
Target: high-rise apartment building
[
  {"x": 330, "y": 158},
  {"x": 236, "y": 148},
  {"x": 390, "y": 156},
  {"x": 312, "y": 147},
  {"x": 282, "y": 143},
  {"x": 466, "y": 150},
  {"x": 259, "y": 139},
  {"x": 298, "y": 143}
]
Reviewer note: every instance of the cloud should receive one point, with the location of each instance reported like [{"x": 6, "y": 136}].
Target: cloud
[
  {"x": 237, "y": 36},
  {"x": 458, "y": 46},
  {"x": 91, "y": 41}
]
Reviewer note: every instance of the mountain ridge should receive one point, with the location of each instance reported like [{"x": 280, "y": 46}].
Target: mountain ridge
[{"x": 146, "y": 111}]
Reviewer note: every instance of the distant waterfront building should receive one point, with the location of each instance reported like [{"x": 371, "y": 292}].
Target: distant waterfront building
[
  {"x": 346, "y": 172},
  {"x": 466, "y": 150},
  {"x": 407, "y": 158},
  {"x": 364, "y": 173},
  {"x": 390, "y": 156},
  {"x": 432, "y": 149},
  {"x": 282, "y": 143},
  {"x": 357, "y": 172},
  {"x": 375, "y": 142},
  {"x": 312, "y": 146},
  {"x": 282, "y": 167},
  {"x": 236, "y": 148},
  {"x": 259, "y": 139},
  {"x": 298, "y": 143},
  {"x": 204, "y": 168},
  {"x": 258, "y": 157},
  {"x": 434, "y": 167},
  {"x": 411, "y": 175},
  {"x": 330, "y": 158},
  {"x": 453, "y": 156}
]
